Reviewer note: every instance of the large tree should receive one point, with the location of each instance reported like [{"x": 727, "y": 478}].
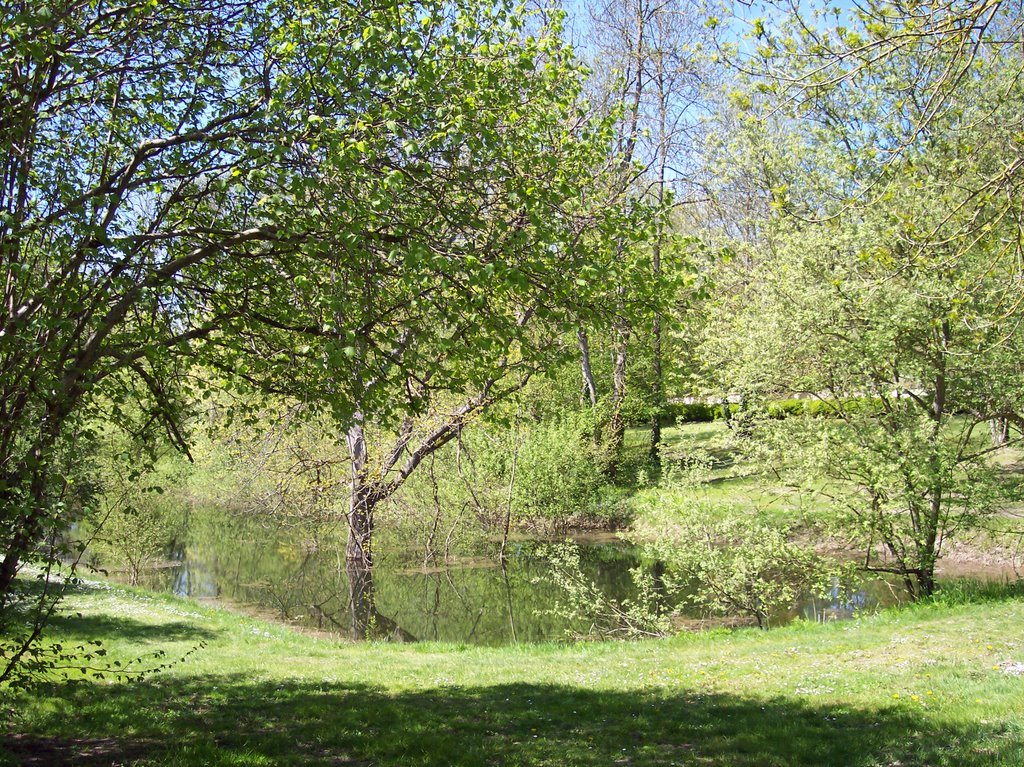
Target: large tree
[
  {"x": 885, "y": 285},
  {"x": 126, "y": 134},
  {"x": 358, "y": 205},
  {"x": 463, "y": 243},
  {"x": 648, "y": 63}
]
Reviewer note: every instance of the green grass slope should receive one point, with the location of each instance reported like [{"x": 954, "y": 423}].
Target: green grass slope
[{"x": 929, "y": 685}]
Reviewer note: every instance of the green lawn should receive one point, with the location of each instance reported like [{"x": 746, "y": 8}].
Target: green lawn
[
  {"x": 728, "y": 486},
  {"x": 928, "y": 685},
  {"x": 732, "y": 485},
  {"x": 921, "y": 686}
]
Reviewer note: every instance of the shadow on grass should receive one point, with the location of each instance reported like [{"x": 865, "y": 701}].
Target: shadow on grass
[
  {"x": 228, "y": 720},
  {"x": 73, "y": 626}
]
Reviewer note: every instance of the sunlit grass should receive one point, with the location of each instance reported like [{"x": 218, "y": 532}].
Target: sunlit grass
[
  {"x": 727, "y": 485},
  {"x": 732, "y": 485},
  {"x": 931, "y": 684}
]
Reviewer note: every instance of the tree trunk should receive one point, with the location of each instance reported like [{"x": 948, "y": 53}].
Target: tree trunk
[
  {"x": 28, "y": 531},
  {"x": 657, "y": 389},
  {"x": 30, "y": 474},
  {"x": 616, "y": 423},
  {"x": 508, "y": 601},
  {"x": 726, "y": 412},
  {"x": 509, "y": 497},
  {"x": 630, "y": 133},
  {"x": 361, "y": 501},
  {"x": 657, "y": 384},
  {"x": 589, "y": 386},
  {"x": 741, "y": 423},
  {"x": 926, "y": 580},
  {"x": 1000, "y": 430},
  {"x": 929, "y": 554},
  {"x": 361, "y": 597},
  {"x": 367, "y": 622}
]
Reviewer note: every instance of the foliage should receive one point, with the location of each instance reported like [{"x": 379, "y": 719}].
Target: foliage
[
  {"x": 559, "y": 478},
  {"x": 491, "y": 158},
  {"x": 583, "y": 604},
  {"x": 136, "y": 524},
  {"x": 897, "y": 77},
  {"x": 738, "y": 565},
  {"x": 964, "y": 591},
  {"x": 880, "y": 275},
  {"x": 121, "y": 129},
  {"x": 296, "y": 472},
  {"x": 690, "y": 412},
  {"x": 544, "y": 475},
  {"x": 924, "y": 365},
  {"x": 378, "y": 210},
  {"x": 703, "y": 412},
  {"x": 460, "y": 244}
]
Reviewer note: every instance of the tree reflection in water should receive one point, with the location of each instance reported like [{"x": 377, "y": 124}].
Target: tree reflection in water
[
  {"x": 303, "y": 577},
  {"x": 367, "y": 621}
]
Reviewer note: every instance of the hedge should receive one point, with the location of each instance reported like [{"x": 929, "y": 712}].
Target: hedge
[{"x": 701, "y": 412}]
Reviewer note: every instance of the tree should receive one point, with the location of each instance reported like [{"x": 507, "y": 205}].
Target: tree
[
  {"x": 464, "y": 242},
  {"x": 336, "y": 202},
  {"x": 647, "y": 58},
  {"x": 883, "y": 277},
  {"x": 917, "y": 65},
  {"x": 127, "y": 134},
  {"x": 902, "y": 331}
]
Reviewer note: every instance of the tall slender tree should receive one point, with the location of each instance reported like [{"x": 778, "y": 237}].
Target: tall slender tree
[{"x": 647, "y": 56}]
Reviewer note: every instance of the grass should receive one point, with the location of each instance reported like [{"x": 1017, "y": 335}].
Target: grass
[
  {"x": 928, "y": 685},
  {"x": 729, "y": 485},
  {"x": 918, "y": 686},
  {"x": 735, "y": 486}
]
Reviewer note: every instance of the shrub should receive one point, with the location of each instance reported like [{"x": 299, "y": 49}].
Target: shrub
[
  {"x": 735, "y": 565},
  {"x": 690, "y": 412},
  {"x": 582, "y": 603},
  {"x": 702, "y": 412},
  {"x": 137, "y": 531},
  {"x": 136, "y": 522},
  {"x": 557, "y": 476},
  {"x": 787, "y": 407}
]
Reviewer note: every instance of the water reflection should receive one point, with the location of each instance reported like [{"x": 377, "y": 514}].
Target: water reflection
[
  {"x": 301, "y": 576},
  {"x": 844, "y": 602}
]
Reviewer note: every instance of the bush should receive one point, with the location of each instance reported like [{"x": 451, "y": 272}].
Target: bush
[
  {"x": 735, "y": 565},
  {"x": 693, "y": 412},
  {"x": 786, "y": 407},
  {"x": 557, "y": 476},
  {"x": 137, "y": 531},
  {"x": 582, "y": 603},
  {"x": 136, "y": 522}
]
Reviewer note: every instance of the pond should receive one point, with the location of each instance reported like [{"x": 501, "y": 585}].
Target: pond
[{"x": 297, "y": 575}]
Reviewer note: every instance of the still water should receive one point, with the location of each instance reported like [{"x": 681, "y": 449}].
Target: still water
[{"x": 297, "y": 575}]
